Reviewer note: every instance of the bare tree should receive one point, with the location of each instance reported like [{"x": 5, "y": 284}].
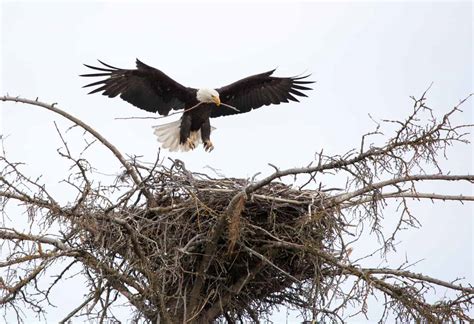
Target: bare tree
[{"x": 185, "y": 247}]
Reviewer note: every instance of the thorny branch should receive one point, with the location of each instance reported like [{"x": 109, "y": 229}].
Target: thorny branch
[{"x": 182, "y": 247}]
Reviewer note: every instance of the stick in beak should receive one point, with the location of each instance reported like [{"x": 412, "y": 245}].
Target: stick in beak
[{"x": 232, "y": 107}]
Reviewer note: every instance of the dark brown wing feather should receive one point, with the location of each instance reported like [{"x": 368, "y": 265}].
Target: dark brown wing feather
[
  {"x": 145, "y": 87},
  {"x": 259, "y": 90}
]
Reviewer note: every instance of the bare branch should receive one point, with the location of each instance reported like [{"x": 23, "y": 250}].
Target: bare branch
[{"x": 92, "y": 131}]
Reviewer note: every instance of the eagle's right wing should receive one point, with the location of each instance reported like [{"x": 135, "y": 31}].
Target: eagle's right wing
[{"x": 145, "y": 87}]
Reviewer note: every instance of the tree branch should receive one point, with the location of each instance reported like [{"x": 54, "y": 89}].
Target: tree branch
[{"x": 93, "y": 132}]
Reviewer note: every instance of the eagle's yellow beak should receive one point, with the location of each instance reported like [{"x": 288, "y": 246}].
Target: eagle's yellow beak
[{"x": 216, "y": 100}]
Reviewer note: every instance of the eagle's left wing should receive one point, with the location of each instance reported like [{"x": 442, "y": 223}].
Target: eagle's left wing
[{"x": 259, "y": 90}]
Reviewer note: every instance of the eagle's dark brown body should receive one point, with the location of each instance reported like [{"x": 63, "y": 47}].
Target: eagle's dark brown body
[{"x": 195, "y": 120}]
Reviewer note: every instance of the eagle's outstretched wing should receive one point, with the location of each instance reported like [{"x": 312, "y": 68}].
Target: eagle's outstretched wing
[
  {"x": 145, "y": 87},
  {"x": 259, "y": 90}
]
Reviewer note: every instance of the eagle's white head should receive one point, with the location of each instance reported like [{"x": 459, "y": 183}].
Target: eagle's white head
[{"x": 208, "y": 96}]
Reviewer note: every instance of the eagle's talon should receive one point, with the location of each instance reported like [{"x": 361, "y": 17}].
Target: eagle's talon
[
  {"x": 190, "y": 144},
  {"x": 208, "y": 146}
]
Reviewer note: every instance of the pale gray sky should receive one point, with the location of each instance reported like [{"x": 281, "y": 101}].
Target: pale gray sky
[{"x": 366, "y": 58}]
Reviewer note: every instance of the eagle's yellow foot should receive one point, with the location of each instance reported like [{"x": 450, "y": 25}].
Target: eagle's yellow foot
[
  {"x": 190, "y": 144},
  {"x": 208, "y": 146}
]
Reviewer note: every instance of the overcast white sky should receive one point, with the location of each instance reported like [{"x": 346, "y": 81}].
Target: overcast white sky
[{"x": 366, "y": 58}]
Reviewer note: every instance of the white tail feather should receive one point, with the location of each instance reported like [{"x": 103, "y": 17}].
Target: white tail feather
[{"x": 168, "y": 136}]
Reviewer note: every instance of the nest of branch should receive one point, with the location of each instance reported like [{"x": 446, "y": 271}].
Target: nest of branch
[{"x": 208, "y": 250}]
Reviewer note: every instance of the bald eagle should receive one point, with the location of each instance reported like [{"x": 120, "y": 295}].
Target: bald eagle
[{"x": 150, "y": 89}]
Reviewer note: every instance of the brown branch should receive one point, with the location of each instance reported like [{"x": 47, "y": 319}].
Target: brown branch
[
  {"x": 366, "y": 274},
  {"x": 13, "y": 291},
  {"x": 375, "y": 186},
  {"x": 13, "y": 235},
  {"x": 418, "y": 276},
  {"x": 408, "y": 195},
  {"x": 372, "y": 153},
  {"x": 93, "y": 132},
  {"x": 91, "y": 297}
]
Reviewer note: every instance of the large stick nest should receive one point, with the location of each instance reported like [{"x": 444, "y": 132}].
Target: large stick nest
[{"x": 255, "y": 262}]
